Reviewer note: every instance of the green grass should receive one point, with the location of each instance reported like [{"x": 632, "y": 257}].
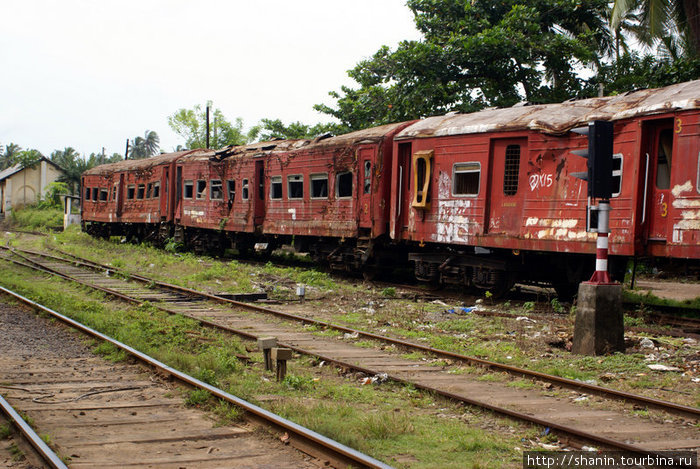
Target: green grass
[
  {"x": 5, "y": 431},
  {"x": 693, "y": 306},
  {"x": 34, "y": 218},
  {"x": 385, "y": 420}
]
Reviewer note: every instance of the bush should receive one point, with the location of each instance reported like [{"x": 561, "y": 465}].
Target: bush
[{"x": 34, "y": 217}]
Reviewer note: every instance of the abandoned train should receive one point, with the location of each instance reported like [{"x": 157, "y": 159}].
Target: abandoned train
[{"x": 482, "y": 199}]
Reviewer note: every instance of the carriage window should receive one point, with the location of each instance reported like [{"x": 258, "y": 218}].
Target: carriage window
[
  {"x": 104, "y": 194},
  {"x": 422, "y": 174},
  {"x": 149, "y": 190},
  {"x": 617, "y": 174},
  {"x": 663, "y": 161},
  {"x": 276, "y": 187},
  {"x": 244, "y": 190},
  {"x": 511, "y": 170},
  {"x": 87, "y": 193},
  {"x": 201, "y": 189},
  {"x": 295, "y": 186},
  {"x": 130, "y": 191},
  {"x": 319, "y": 186},
  {"x": 189, "y": 189},
  {"x": 140, "y": 191},
  {"x": 156, "y": 190},
  {"x": 343, "y": 185},
  {"x": 466, "y": 178},
  {"x": 217, "y": 190},
  {"x": 114, "y": 192},
  {"x": 231, "y": 186},
  {"x": 94, "y": 194},
  {"x": 368, "y": 178}
]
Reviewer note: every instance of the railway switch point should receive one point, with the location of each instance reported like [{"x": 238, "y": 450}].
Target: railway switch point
[
  {"x": 599, "y": 327},
  {"x": 266, "y": 344},
  {"x": 281, "y": 355}
]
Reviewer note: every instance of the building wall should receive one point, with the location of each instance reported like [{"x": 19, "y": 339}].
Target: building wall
[{"x": 28, "y": 186}]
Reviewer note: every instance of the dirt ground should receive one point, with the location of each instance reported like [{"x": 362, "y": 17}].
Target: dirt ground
[{"x": 669, "y": 290}]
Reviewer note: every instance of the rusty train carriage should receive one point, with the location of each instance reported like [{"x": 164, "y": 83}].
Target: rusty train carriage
[{"x": 485, "y": 198}]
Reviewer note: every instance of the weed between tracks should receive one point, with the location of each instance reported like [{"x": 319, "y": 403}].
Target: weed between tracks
[{"x": 396, "y": 423}]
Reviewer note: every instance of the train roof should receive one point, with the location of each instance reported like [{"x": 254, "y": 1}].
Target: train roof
[
  {"x": 370, "y": 135},
  {"x": 557, "y": 119},
  {"x": 140, "y": 165},
  {"x": 258, "y": 148}
]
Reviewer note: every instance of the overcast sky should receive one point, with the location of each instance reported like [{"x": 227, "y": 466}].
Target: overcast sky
[{"x": 89, "y": 74}]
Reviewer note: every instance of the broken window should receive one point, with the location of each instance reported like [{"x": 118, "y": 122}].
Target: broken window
[
  {"x": 295, "y": 186},
  {"x": 114, "y": 192},
  {"x": 343, "y": 184},
  {"x": 422, "y": 174},
  {"x": 87, "y": 193},
  {"x": 94, "y": 194},
  {"x": 130, "y": 191},
  {"x": 140, "y": 191},
  {"x": 466, "y": 178},
  {"x": 104, "y": 194},
  {"x": 149, "y": 190},
  {"x": 189, "y": 189},
  {"x": 276, "y": 187},
  {"x": 201, "y": 189},
  {"x": 231, "y": 186},
  {"x": 511, "y": 170},
  {"x": 319, "y": 186},
  {"x": 217, "y": 190},
  {"x": 156, "y": 189},
  {"x": 244, "y": 190},
  {"x": 616, "y": 182},
  {"x": 663, "y": 161},
  {"x": 367, "y": 187}
]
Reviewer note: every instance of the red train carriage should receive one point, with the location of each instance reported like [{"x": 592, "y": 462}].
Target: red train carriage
[
  {"x": 489, "y": 198},
  {"x": 131, "y": 198}
]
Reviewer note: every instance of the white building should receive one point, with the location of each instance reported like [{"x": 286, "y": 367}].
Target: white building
[{"x": 26, "y": 185}]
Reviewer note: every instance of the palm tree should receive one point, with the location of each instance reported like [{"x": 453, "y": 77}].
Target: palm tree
[
  {"x": 73, "y": 166},
  {"x": 9, "y": 156},
  {"x": 151, "y": 142},
  {"x": 674, "y": 23},
  {"x": 144, "y": 147}
]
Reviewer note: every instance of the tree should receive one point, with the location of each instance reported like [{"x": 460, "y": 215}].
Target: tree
[
  {"x": 675, "y": 24},
  {"x": 474, "y": 54},
  {"x": 191, "y": 125},
  {"x": 73, "y": 166},
  {"x": 9, "y": 156},
  {"x": 274, "y": 128},
  {"x": 144, "y": 147}
]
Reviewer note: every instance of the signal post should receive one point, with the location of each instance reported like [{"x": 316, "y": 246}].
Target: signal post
[{"x": 599, "y": 327}]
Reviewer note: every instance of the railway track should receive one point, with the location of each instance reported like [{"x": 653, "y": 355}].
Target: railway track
[
  {"x": 101, "y": 414},
  {"x": 605, "y": 428}
]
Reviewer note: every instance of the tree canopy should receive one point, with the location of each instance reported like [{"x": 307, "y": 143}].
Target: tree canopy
[
  {"x": 144, "y": 147},
  {"x": 190, "y": 124},
  {"x": 274, "y": 128},
  {"x": 478, "y": 53}
]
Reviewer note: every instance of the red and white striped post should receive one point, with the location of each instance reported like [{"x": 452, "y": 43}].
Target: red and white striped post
[{"x": 601, "y": 276}]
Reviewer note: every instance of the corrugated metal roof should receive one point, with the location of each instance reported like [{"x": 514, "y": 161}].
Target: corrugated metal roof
[
  {"x": 561, "y": 117},
  {"x": 142, "y": 164},
  {"x": 7, "y": 172}
]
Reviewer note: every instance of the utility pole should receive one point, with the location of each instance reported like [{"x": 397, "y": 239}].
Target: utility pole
[
  {"x": 207, "y": 126},
  {"x": 126, "y": 153}
]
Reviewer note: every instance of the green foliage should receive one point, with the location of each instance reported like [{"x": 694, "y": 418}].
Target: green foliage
[
  {"x": 190, "y": 124},
  {"x": 34, "y": 217},
  {"x": 529, "y": 306},
  {"x": 144, "y": 147},
  {"x": 474, "y": 55},
  {"x": 5, "y": 431},
  {"x": 298, "y": 382},
  {"x": 557, "y": 307},
  {"x": 197, "y": 397},
  {"x": 389, "y": 292},
  {"x": 634, "y": 71},
  {"x": 52, "y": 196},
  {"x": 275, "y": 128}
]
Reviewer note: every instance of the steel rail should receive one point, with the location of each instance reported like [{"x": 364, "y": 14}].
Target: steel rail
[
  {"x": 340, "y": 452},
  {"x": 668, "y": 406},
  {"x": 563, "y": 429},
  {"x": 30, "y": 435}
]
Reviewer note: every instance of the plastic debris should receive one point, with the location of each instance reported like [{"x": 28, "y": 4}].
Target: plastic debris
[
  {"x": 646, "y": 343},
  {"x": 468, "y": 310},
  {"x": 348, "y": 335},
  {"x": 660, "y": 367},
  {"x": 588, "y": 448}
]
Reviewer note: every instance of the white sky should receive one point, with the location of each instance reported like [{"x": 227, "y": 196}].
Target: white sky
[{"x": 89, "y": 74}]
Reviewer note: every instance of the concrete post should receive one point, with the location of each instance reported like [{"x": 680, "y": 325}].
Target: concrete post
[
  {"x": 281, "y": 355},
  {"x": 266, "y": 344},
  {"x": 599, "y": 325}
]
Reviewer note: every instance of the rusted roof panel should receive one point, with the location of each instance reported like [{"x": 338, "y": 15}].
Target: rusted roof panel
[
  {"x": 373, "y": 134},
  {"x": 561, "y": 117},
  {"x": 146, "y": 163},
  {"x": 250, "y": 149}
]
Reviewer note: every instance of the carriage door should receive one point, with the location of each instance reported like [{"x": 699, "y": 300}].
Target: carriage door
[
  {"x": 164, "y": 200},
  {"x": 403, "y": 198},
  {"x": 178, "y": 193},
  {"x": 259, "y": 197},
  {"x": 120, "y": 195},
  {"x": 507, "y": 163},
  {"x": 658, "y": 160},
  {"x": 364, "y": 176}
]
